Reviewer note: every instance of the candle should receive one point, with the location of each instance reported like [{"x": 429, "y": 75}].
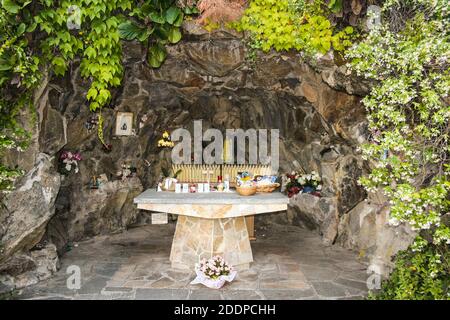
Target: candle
[{"x": 227, "y": 151}]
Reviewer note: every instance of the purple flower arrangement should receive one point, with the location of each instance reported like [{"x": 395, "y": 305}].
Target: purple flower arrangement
[{"x": 69, "y": 162}]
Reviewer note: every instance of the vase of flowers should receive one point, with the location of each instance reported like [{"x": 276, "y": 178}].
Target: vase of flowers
[
  {"x": 68, "y": 162},
  {"x": 213, "y": 273},
  {"x": 304, "y": 183}
]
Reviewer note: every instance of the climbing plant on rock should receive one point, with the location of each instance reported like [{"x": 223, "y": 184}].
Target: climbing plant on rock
[
  {"x": 290, "y": 24},
  {"x": 408, "y": 112},
  {"x": 19, "y": 75},
  {"x": 95, "y": 42},
  {"x": 155, "y": 24},
  {"x": 55, "y": 33}
]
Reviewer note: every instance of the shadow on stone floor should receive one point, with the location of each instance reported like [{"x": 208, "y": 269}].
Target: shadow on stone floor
[{"x": 289, "y": 263}]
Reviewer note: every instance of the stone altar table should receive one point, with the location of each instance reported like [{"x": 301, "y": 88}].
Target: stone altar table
[{"x": 211, "y": 223}]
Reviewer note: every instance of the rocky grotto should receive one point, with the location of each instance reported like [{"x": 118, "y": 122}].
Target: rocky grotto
[
  {"x": 206, "y": 76},
  {"x": 362, "y": 108}
]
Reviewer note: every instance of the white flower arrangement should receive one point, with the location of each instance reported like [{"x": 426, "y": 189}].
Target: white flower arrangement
[
  {"x": 312, "y": 179},
  {"x": 214, "y": 272}
]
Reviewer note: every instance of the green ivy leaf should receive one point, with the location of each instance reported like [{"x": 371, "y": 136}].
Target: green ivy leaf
[
  {"x": 59, "y": 66},
  {"x": 92, "y": 94}
]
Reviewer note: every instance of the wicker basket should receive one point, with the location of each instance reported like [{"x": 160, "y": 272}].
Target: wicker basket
[
  {"x": 246, "y": 191},
  {"x": 267, "y": 188}
]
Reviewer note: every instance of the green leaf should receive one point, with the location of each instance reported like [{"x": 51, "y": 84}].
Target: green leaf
[
  {"x": 174, "y": 35},
  {"x": 144, "y": 35},
  {"x": 335, "y": 6},
  {"x": 348, "y": 30},
  {"x": 32, "y": 27},
  {"x": 92, "y": 94},
  {"x": 172, "y": 14},
  {"x": 129, "y": 30},
  {"x": 90, "y": 52},
  {"x": 21, "y": 29},
  {"x": 157, "y": 18},
  {"x": 179, "y": 20},
  {"x": 10, "y": 6},
  {"x": 5, "y": 65},
  {"x": 156, "y": 55},
  {"x": 103, "y": 96},
  {"x": 59, "y": 66}
]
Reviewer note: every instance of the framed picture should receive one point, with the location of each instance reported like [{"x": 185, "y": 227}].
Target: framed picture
[{"x": 124, "y": 124}]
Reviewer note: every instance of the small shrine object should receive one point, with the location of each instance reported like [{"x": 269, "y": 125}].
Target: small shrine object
[
  {"x": 126, "y": 171},
  {"x": 124, "y": 124},
  {"x": 91, "y": 123},
  {"x": 95, "y": 183},
  {"x": 98, "y": 181}
]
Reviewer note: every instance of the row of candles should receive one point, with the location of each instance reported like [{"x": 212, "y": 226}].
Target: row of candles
[{"x": 203, "y": 187}]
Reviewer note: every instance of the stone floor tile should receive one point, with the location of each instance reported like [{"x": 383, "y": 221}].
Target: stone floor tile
[
  {"x": 288, "y": 294},
  {"x": 289, "y": 263},
  {"x": 329, "y": 289},
  {"x": 205, "y": 294},
  {"x": 162, "y": 294},
  {"x": 241, "y": 295}
]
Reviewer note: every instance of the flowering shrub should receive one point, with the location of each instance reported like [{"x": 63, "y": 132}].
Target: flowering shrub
[
  {"x": 214, "y": 267},
  {"x": 69, "y": 161},
  {"x": 420, "y": 274},
  {"x": 408, "y": 58},
  {"x": 296, "y": 183}
]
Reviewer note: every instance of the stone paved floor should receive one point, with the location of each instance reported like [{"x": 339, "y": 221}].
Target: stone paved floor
[{"x": 290, "y": 263}]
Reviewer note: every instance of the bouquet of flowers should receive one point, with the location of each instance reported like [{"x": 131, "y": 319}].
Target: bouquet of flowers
[
  {"x": 214, "y": 272},
  {"x": 305, "y": 183},
  {"x": 245, "y": 179},
  {"x": 69, "y": 161}
]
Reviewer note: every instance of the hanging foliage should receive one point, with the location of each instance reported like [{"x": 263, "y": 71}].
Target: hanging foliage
[{"x": 40, "y": 33}]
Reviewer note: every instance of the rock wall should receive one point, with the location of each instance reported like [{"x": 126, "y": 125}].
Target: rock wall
[{"x": 206, "y": 76}]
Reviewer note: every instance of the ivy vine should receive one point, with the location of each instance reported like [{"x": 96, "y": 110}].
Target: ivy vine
[{"x": 55, "y": 33}]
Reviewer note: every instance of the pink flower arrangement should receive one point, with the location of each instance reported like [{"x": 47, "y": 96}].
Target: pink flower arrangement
[
  {"x": 67, "y": 155},
  {"x": 214, "y": 267},
  {"x": 68, "y": 161},
  {"x": 214, "y": 272}
]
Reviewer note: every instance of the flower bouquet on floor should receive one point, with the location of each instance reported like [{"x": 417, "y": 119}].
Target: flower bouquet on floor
[{"x": 213, "y": 273}]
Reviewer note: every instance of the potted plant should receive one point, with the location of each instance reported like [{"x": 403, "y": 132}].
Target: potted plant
[{"x": 213, "y": 273}]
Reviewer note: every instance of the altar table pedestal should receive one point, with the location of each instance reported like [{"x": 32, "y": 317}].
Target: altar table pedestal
[{"x": 211, "y": 224}]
